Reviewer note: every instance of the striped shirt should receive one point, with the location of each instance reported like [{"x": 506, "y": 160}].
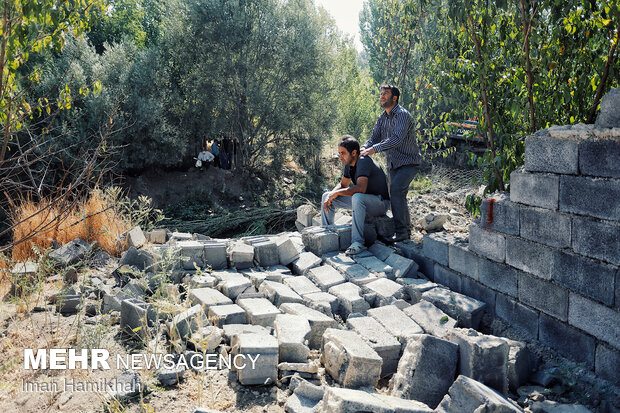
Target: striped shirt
[{"x": 394, "y": 135}]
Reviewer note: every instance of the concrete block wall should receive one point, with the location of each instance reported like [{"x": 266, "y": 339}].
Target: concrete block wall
[{"x": 546, "y": 257}]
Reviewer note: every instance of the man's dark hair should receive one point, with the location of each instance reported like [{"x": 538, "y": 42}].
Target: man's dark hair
[
  {"x": 350, "y": 143},
  {"x": 395, "y": 91}
]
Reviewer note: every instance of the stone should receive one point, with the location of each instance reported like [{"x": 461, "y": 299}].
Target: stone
[
  {"x": 291, "y": 332},
  {"x": 482, "y": 357},
  {"x": 206, "y": 339},
  {"x": 380, "y": 340},
  {"x": 220, "y": 315},
  {"x": 375, "y": 265},
  {"x": 320, "y": 240},
  {"x": 136, "y": 317},
  {"x": 344, "y": 235},
  {"x": 349, "y": 360},
  {"x": 426, "y": 370},
  {"x": 433, "y": 222},
  {"x": 232, "y": 287},
  {"x": 126, "y": 385},
  {"x": 323, "y": 302},
  {"x": 170, "y": 377},
  {"x": 231, "y": 330},
  {"x": 183, "y": 325},
  {"x": 279, "y": 294},
  {"x": 207, "y": 297},
  {"x": 608, "y": 117},
  {"x": 465, "y": 310},
  {"x": 325, "y": 277},
  {"x": 318, "y": 321},
  {"x": 241, "y": 255},
  {"x": 259, "y": 311},
  {"x": 396, "y": 322},
  {"x": 432, "y": 320},
  {"x": 387, "y": 291},
  {"x": 349, "y": 299},
  {"x": 468, "y": 395},
  {"x": 158, "y": 236},
  {"x": 136, "y": 238},
  {"x": 305, "y": 262},
  {"x": 305, "y": 213},
  {"x": 264, "y": 349},
  {"x": 70, "y": 253},
  {"x": 402, "y": 267},
  {"x": 535, "y": 189},
  {"x": 140, "y": 259},
  {"x": 301, "y": 285},
  {"x": 286, "y": 250},
  {"x": 380, "y": 251}
]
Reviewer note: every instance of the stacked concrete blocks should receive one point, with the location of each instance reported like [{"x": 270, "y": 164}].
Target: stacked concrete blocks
[{"x": 320, "y": 240}]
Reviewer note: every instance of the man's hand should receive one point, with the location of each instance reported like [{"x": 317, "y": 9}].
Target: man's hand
[
  {"x": 367, "y": 151},
  {"x": 328, "y": 202}
]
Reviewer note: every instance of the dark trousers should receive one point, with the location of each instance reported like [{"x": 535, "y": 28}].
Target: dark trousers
[{"x": 400, "y": 178}]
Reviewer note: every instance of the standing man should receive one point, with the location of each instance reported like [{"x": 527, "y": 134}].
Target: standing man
[
  {"x": 394, "y": 135},
  {"x": 368, "y": 195}
]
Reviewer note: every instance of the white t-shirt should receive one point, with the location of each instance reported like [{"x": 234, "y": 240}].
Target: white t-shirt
[{"x": 205, "y": 156}]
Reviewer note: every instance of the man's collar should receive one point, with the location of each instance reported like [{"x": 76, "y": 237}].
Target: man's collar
[{"x": 394, "y": 110}]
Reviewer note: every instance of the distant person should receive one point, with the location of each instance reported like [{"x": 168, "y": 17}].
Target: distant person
[
  {"x": 236, "y": 152},
  {"x": 394, "y": 134},
  {"x": 226, "y": 153},
  {"x": 216, "y": 153},
  {"x": 206, "y": 159},
  {"x": 368, "y": 195}
]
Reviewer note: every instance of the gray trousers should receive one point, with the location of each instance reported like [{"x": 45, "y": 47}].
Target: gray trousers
[
  {"x": 400, "y": 178},
  {"x": 361, "y": 205}
]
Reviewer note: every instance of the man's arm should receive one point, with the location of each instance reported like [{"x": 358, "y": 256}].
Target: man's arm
[
  {"x": 401, "y": 124},
  {"x": 345, "y": 190},
  {"x": 374, "y": 137}
]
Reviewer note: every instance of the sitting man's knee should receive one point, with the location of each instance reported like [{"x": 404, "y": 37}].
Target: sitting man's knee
[
  {"x": 357, "y": 198},
  {"x": 325, "y": 195}
]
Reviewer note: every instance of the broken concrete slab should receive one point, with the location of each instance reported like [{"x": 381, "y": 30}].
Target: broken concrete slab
[
  {"x": 396, "y": 322},
  {"x": 325, "y": 303},
  {"x": 318, "y": 321},
  {"x": 402, "y": 267},
  {"x": 466, "y": 310},
  {"x": 232, "y": 287},
  {"x": 301, "y": 285},
  {"x": 349, "y": 360},
  {"x": 380, "y": 340},
  {"x": 386, "y": 291},
  {"x": 70, "y": 253},
  {"x": 263, "y": 349},
  {"x": 482, "y": 357},
  {"x": 292, "y": 332},
  {"x": 206, "y": 339},
  {"x": 207, "y": 297},
  {"x": 136, "y": 317},
  {"x": 426, "y": 370},
  {"x": 306, "y": 261},
  {"x": 325, "y": 277},
  {"x": 184, "y": 324},
  {"x": 259, "y": 311},
  {"x": 375, "y": 265},
  {"x": 468, "y": 395},
  {"x": 220, "y": 315},
  {"x": 136, "y": 238},
  {"x": 349, "y": 299},
  {"x": 415, "y": 287},
  {"x": 434, "y": 321},
  {"x": 279, "y": 293}
]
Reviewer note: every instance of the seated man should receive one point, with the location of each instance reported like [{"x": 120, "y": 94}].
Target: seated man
[{"x": 368, "y": 195}]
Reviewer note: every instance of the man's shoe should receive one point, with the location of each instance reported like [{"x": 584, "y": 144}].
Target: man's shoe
[{"x": 399, "y": 237}]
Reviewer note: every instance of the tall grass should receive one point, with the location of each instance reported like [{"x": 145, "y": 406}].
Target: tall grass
[{"x": 96, "y": 219}]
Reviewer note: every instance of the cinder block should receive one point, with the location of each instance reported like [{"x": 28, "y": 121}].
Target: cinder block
[
  {"x": 517, "y": 315},
  {"x": 435, "y": 247},
  {"x": 136, "y": 238},
  {"x": 567, "y": 340},
  {"x": 535, "y": 189},
  {"x": 414, "y": 251},
  {"x": 136, "y": 317},
  {"x": 305, "y": 213},
  {"x": 607, "y": 362},
  {"x": 399, "y": 324},
  {"x": 585, "y": 276},
  {"x": 596, "y": 197},
  {"x": 468, "y": 395},
  {"x": 426, "y": 370},
  {"x": 596, "y": 319},
  {"x": 349, "y": 360},
  {"x": 499, "y": 214},
  {"x": 415, "y": 287},
  {"x": 325, "y": 277},
  {"x": 278, "y": 293},
  {"x": 530, "y": 257},
  {"x": 241, "y": 255},
  {"x": 474, "y": 289},
  {"x": 380, "y": 340},
  {"x": 358, "y": 275},
  {"x": 381, "y": 251},
  {"x": 349, "y": 299},
  {"x": 215, "y": 254},
  {"x": 482, "y": 357},
  {"x": 221, "y": 315},
  {"x": 207, "y": 297},
  {"x": 434, "y": 321},
  {"x": 466, "y": 310},
  {"x": 344, "y": 235},
  {"x": 301, "y": 285},
  {"x": 259, "y": 311},
  {"x": 385, "y": 291},
  {"x": 158, "y": 236},
  {"x": 487, "y": 243},
  {"x": 264, "y": 349},
  {"x": 324, "y": 302},
  {"x": 291, "y": 332},
  {"x": 544, "y": 296},
  {"x": 184, "y": 324},
  {"x": 306, "y": 261},
  {"x": 547, "y": 227},
  {"x": 402, "y": 267},
  {"x": 192, "y": 254},
  {"x": 599, "y": 157},
  {"x": 617, "y": 301},
  {"x": 597, "y": 239},
  {"x": 462, "y": 260},
  {"x": 320, "y": 240},
  {"x": 447, "y": 278},
  {"x": 499, "y": 277},
  {"x": 286, "y": 250},
  {"x": 318, "y": 321},
  {"x": 544, "y": 153}
]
